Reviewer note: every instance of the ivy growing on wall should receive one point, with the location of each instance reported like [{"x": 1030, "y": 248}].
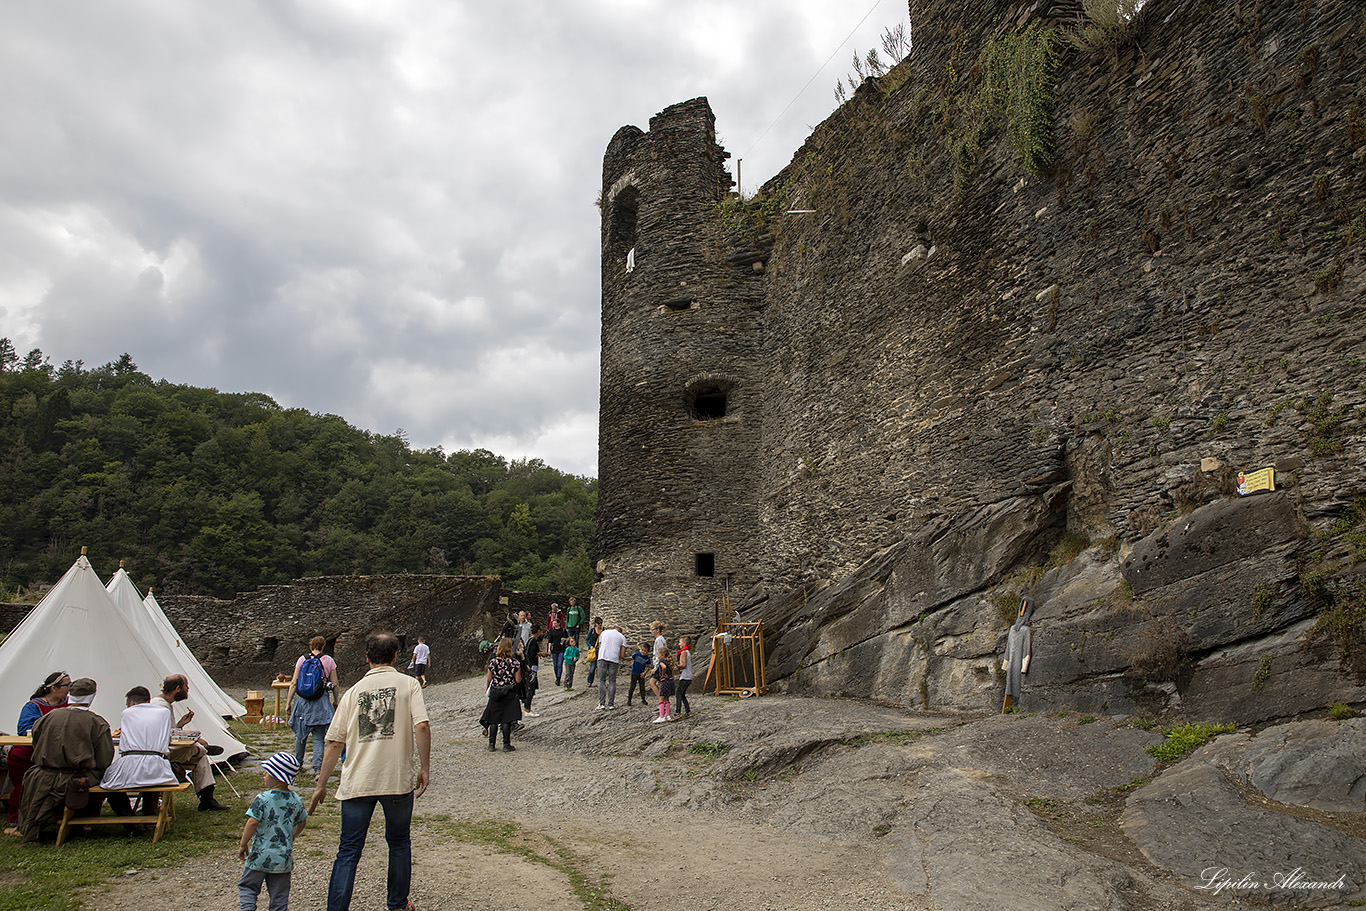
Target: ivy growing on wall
[{"x": 1016, "y": 74}]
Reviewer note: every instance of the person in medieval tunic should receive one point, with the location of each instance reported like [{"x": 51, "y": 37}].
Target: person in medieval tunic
[
  {"x": 65, "y": 741},
  {"x": 144, "y": 732},
  {"x": 1018, "y": 651}
]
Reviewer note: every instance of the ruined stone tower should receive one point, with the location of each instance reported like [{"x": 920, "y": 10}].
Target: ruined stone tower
[
  {"x": 680, "y": 391},
  {"x": 915, "y": 378}
]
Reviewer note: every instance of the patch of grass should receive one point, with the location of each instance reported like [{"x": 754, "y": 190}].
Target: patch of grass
[
  {"x": 1143, "y": 722},
  {"x": 1340, "y": 711},
  {"x": 1067, "y": 549},
  {"x": 1086, "y": 719},
  {"x": 1183, "y": 739},
  {"x": 39, "y": 877},
  {"x": 511, "y": 838},
  {"x": 709, "y": 749},
  {"x": 1219, "y": 422}
]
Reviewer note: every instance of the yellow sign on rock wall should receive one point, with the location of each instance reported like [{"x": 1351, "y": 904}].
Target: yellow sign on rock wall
[{"x": 1251, "y": 482}]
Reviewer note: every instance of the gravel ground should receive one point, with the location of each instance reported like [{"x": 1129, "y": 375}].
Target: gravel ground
[{"x": 637, "y": 812}]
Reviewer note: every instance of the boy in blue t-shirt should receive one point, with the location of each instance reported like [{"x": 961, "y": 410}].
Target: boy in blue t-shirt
[
  {"x": 640, "y": 661},
  {"x": 571, "y": 657},
  {"x": 276, "y": 817}
]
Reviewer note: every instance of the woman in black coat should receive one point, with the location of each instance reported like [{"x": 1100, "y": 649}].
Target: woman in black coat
[{"x": 504, "y": 709}]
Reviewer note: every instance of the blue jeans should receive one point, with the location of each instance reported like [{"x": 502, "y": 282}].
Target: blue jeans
[
  {"x": 559, "y": 665},
  {"x": 355, "y": 821},
  {"x": 607, "y": 681},
  {"x": 301, "y": 733}
]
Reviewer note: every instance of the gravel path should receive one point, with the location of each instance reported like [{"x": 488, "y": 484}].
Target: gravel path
[{"x": 625, "y": 803}]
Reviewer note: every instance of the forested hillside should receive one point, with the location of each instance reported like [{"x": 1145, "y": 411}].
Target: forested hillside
[{"x": 213, "y": 493}]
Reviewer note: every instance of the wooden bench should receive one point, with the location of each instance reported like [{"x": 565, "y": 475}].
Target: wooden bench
[{"x": 166, "y": 812}]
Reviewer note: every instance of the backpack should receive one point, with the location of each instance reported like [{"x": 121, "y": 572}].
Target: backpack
[{"x": 311, "y": 678}]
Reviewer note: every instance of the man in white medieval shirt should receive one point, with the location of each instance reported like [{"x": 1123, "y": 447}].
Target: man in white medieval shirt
[{"x": 143, "y": 757}]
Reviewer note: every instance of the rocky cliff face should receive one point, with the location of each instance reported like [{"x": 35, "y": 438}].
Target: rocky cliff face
[{"x": 1001, "y": 361}]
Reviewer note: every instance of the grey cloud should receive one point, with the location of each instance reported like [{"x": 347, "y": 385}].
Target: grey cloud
[{"x": 380, "y": 212}]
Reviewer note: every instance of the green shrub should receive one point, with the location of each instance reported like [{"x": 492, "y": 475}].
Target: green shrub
[{"x": 1339, "y": 711}]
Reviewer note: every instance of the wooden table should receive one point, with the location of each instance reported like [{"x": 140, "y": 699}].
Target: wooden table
[
  {"x": 277, "y": 686},
  {"x": 165, "y": 814},
  {"x": 16, "y": 740}
]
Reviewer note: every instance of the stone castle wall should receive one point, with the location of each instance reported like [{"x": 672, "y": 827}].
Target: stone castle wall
[{"x": 953, "y": 366}]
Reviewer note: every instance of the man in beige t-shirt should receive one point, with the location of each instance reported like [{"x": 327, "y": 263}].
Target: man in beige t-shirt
[{"x": 378, "y": 722}]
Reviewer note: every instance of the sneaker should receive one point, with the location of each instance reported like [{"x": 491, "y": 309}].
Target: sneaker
[
  {"x": 509, "y": 748},
  {"x": 602, "y": 707},
  {"x": 659, "y": 720},
  {"x": 532, "y": 714}
]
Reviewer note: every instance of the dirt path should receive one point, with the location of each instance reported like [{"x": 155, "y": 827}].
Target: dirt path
[{"x": 649, "y": 828}]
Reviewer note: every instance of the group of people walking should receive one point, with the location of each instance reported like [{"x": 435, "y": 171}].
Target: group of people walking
[{"x": 511, "y": 677}]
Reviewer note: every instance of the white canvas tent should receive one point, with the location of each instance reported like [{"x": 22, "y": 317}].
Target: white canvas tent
[
  {"x": 144, "y": 615},
  {"x": 79, "y": 629}
]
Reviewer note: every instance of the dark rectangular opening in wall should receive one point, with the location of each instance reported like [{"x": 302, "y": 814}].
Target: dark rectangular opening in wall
[
  {"x": 403, "y": 645},
  {"x": 266, "y": 650},
  {"x": 331, "y": 647},
  {"x": 220, "y": 652},
  {"x": 706, "y": 564},
  {"x": 710, "y": 405}
]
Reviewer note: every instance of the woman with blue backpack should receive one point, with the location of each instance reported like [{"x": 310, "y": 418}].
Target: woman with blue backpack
[{"x": 315, "y": 685}]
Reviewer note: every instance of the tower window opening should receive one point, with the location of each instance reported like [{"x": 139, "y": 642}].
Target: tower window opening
[
  {"x": 708, "y": 397},
  {"x": 706, "y": 564},
  {"x": 709, "y": 405},
  {"x": 621, "y": 236}
]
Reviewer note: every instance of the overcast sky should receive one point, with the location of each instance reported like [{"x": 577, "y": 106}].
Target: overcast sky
[{"x": 382, "y": 209}]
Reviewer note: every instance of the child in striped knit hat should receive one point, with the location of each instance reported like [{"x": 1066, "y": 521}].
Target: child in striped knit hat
[{"x": 274, "y": 819}]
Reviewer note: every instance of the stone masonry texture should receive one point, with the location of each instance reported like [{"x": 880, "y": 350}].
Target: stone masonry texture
[{"x": 951, "y": 367}]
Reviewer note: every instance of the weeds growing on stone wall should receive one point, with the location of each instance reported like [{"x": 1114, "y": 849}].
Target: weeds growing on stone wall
[
  {"x": 1161, "y": 651},
  {"x": 1327, "y": 279},
  {"x": 1106, "y": 24},
  {"x": 1261, "y": 600},
  {"x": 896, "y": 44},
  {"x": 1324, "y": 423},
  {"x": 1262, "y": 674},
  {"x": 1340, "y": 711}
]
